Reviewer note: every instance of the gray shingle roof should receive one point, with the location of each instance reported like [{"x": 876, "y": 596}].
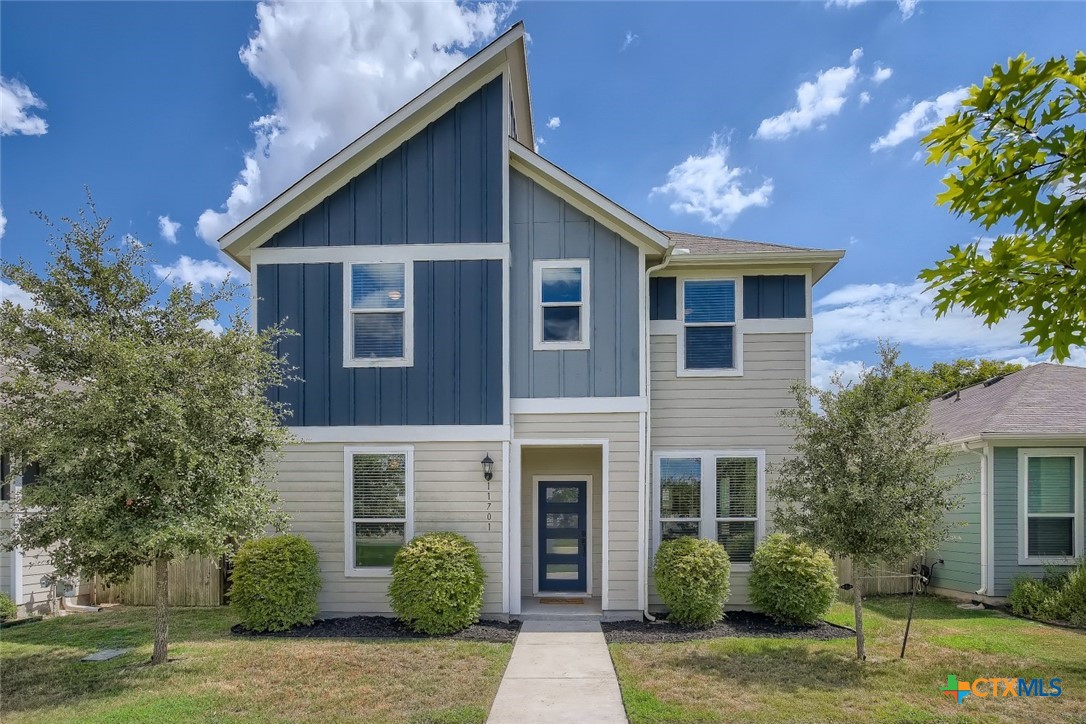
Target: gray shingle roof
[
  {"x": 717, "y": 245},
  {"x": 1044, "y": 398}
]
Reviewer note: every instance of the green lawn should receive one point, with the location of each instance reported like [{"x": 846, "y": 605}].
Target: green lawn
[
  {"x": 223, "y": 678},
  {"x": 774, "y": 680}
]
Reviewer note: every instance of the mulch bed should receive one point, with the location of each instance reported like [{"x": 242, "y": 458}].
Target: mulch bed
[
  {"x": 383, "y": 627},
  {"x": 735, "y": 624}
]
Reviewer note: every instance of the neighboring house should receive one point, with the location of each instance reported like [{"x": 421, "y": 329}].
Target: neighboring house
[
  {"x": 25, "y": 576},
  {"x": 1019, "y": 441},
  {"x": 487, "y": 345}
]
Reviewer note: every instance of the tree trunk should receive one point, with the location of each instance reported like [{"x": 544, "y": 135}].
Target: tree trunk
[
  {"x": 858, "y": 610},
  {"x": 162, "y": 623}
]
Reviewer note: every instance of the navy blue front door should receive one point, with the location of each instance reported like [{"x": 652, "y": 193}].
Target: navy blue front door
[{"x": 563, "y": 533}]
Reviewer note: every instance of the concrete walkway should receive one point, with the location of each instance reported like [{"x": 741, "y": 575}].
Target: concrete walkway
[{"x": 560, "y": 672}]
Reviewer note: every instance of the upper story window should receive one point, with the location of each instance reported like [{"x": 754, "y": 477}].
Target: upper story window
[
  {"x": 378, "y": 329},
  {"x": 709, "y": 334},
  {"x": 379, "y": 507},
  {"x": 716, "y": 495},
  {"x": 1050, "y": 505},
  {"x": 561, "y": 305}
]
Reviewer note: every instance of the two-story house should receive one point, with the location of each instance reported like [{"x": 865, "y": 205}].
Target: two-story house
[{"x": 489, "y": 346}]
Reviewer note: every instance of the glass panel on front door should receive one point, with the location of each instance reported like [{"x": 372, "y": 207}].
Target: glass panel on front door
[{"x": 563, "y": 536}]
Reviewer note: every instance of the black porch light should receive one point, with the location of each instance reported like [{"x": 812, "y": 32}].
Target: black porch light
[{"x": 488, "y": 468}]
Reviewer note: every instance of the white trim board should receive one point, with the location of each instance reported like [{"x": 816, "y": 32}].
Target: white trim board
[
  {"x": 575, "y": 405},
  {"x": 379, "y": 253},
  {"x": 536, "y": 480},
  {"x": 401, "y": 433}
]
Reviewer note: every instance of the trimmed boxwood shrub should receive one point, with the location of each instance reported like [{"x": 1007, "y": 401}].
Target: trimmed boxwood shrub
[
  {"x": 275, "y": 582},
  {"x": 692, "y": 579},
  {"x": 8, "y": 612},
  {"x": 437, "y": 583},
  {"x": 790, "y": 581}
]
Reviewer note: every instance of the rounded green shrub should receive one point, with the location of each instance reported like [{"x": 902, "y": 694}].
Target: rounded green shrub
[
  {"x": 8, "y": 612},
  {"x": 790, "y": 581},
  {"x": 275, "y": 582},
  {"x": 437, "y": 583},
  {"x": 692, "y": 577}
]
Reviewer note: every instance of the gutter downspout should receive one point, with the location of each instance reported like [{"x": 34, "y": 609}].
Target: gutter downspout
[
  {"x": 985, "y": 501},
  {"x": 647, "y": 452}
]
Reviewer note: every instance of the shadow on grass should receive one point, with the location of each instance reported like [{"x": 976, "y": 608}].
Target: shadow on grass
[
  {"x": 927, "y": 607},
  {"x": 41, "y": 661},
  {"x": 786, "y": 666}
]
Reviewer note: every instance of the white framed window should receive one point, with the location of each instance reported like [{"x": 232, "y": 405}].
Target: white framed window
[
  {"x": 561, "y": 314},
  {"x": 378, "y": 330},
  {"x": 1050, "y": 503},
  {"x": 711, "y": 343},
  {"x": 378, "y": 487},
  {"x": 715, "y": 494}
]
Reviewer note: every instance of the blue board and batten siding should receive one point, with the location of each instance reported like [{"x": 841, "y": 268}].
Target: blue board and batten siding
[
  {"x": 456, "y": 378},
  {"x": 442, "y": 186},
  {"x": 1005, "y": 513},
  {"x": 543, "y": 226}
]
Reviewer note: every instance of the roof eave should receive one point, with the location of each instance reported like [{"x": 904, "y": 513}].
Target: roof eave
[
  {"x": 586, "y": 199},
  {"x": 505, "y": 51},
  {"x": 821, "y": 261}
]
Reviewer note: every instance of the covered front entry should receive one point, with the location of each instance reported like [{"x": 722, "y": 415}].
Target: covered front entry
[
  {"x": 562, "y": 541},
  {"x": 561, "y": 525}
]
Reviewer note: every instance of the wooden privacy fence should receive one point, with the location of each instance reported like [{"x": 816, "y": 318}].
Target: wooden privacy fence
[
  {"x": 194, "y": 581},
  {"x": 882, "y": 580}
]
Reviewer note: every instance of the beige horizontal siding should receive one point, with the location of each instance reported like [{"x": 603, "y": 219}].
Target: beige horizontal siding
[
  {"x": 622, "y": 432},
  {"x": 449, "y": 495},
  {"x": 723, "y": 413}
]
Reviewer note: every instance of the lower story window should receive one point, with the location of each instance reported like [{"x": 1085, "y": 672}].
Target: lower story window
[
  {"x": 715, "y": 494},
  {"x": 379, "y": 506},
  {"x": 1051, "y": 500}
]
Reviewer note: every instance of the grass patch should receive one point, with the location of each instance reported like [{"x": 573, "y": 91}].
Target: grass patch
[
  {"x": 216, "y": 676},
  {"x": 772, "y": 680}
]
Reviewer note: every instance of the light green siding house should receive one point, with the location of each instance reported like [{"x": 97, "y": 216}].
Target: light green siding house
[{"x": 1019, "y": 443}]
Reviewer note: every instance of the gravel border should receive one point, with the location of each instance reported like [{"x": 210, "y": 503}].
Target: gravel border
[
  {"x": 384, "y": 627},
  {"x": 735, "y": 624}
]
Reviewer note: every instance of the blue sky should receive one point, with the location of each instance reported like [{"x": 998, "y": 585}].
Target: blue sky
[{"x": 687, "y": 114}]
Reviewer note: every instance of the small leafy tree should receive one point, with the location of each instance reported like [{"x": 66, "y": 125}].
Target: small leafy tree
[
  {"x": 153, "y": 437},
  {"x": 1017, "y": 150},
  {"x": 863, "y": 482},
  {"x": 943, "y": 377}
]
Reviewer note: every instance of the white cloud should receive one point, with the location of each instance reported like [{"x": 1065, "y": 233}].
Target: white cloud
[
  {"x": 337, "y": 69},
  {"x": 815, "y": 101},
  {"x": 857, "y": 315},
  {"x": 844, "y": 3},
  {"x": 921, "y": 118},
  {"x": 196, "y": 272},
  {"x": 168, "y": 228},
  {"x": 554, "y": 122},
  {"x": 16, "y": 102},
  {"x": 13, "y": 293},
  {"x": 3, "y": 222},
  {"x": 130, "y": 240},
  {"x": 211, "y": 326},
  {"x": 631, "y": 38},
  {"x": 907, "y": 8},
  {"x": 865, "y": 98},
  {"x": 855, "y": 55},
  {"x": 708, "y": 187},
  {"x": 881, "y": 74},
  {"x": 539, "y": 140}
]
